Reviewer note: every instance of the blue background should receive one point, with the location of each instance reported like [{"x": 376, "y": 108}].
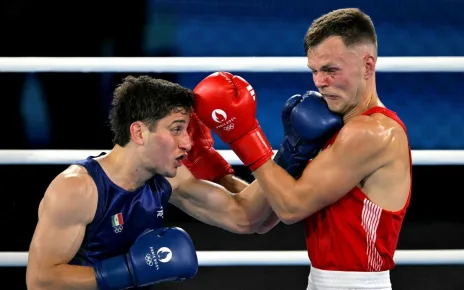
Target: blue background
[{"x": 430, "y": 104}]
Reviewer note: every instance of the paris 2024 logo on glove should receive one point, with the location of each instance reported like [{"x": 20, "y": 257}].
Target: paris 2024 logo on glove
[
  {"x": 219, "y": 116},
  {"x": 163, "y": 255}
]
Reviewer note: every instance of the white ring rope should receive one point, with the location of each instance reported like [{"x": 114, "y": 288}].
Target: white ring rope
[
  {"x": 280, "y": 258},
  {"x": 21, "y": 157},
  {"x": 212, "y": 64}
]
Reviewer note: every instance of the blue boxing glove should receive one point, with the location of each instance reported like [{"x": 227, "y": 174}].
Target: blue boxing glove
[
  {"x": 165, "y": 254},
  {"x": 308, "y": 125}
]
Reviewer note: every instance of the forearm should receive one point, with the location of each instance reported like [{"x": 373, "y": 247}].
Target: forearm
[
  {"x": 268, "y": 224},
  {"x": 255, "y": 207},
  {"x": 277, "y": 186},
  {"x": 232, "y": 183},
  {"x": 63, "y": 277}
]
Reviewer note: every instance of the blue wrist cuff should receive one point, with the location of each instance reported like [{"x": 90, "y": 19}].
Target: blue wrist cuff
[{"x": 113, "y": 274}]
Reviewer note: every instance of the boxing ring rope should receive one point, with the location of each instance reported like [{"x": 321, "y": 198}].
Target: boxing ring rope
[
  {"x": 245, "y": 258},
  {"x": 208, "y": 65},
  {"x": 280, "y": 258},
  {"x": 212, "y": 64},
  {"x": 31, "y": 157}
]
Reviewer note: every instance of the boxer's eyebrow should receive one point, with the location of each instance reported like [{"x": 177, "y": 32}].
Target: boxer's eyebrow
[
  {"x": 178, "y": 121},
  {"x": 323, "y": 68}
]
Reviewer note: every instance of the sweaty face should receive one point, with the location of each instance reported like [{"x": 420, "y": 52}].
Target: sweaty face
[
  {"x": 338, "y": 73},
  {"x": 168, "y": 144}
]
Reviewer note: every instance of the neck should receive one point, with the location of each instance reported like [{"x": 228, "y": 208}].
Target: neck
[
  {"x": 368, "y": 100},
  {"x": 123, "y": 167}
]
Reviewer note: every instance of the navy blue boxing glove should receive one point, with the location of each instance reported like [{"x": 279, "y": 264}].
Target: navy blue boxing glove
[
  {"x": 165, "y": 254},
  {"x": 308, "y": 125}
]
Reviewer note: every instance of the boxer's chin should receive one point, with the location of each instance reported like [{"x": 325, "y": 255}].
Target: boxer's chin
[
  {"x": 334, "y": 105},
  {"x": 171, "y": 173}
]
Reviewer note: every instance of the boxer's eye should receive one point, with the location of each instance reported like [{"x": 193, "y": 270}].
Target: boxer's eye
[
  {"x": 331, "y": 70},
  {"x": 176, "y": 130}
]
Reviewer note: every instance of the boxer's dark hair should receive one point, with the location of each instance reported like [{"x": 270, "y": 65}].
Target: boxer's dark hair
[
  {"x": 351, "y": 24},
  {"x": 145, "y": 99}
]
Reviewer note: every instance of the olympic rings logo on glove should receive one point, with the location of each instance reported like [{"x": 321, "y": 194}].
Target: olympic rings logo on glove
[
  {"x": 149, "y": 260},
  {"x": 229, "y": 127}
]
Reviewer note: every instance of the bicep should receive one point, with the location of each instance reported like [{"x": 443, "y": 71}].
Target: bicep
[
  {"x": 337, "y": 169},
  {"x": 326, "y": 179},
  {"x": 56, "y": 239},
  {"x": 63, "y": 217}
]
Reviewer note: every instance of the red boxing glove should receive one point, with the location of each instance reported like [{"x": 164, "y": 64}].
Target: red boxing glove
[
  {"x": 203, "y": 160},
  {"x": 226, "y": 104}
]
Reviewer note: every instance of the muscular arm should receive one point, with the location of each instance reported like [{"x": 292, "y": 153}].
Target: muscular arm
[
  {"x": 67, "y": 207},
  {"x": 232, "y": 183},
  {"x": 357, "y": 152},
  {"x": 235, "y": 185},
  {"x": 243, "y": 212}
]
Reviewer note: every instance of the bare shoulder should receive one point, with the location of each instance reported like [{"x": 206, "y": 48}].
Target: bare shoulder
[
  {"x": 371, "y": 135},
  {"x": 72, "y": 193},
  {"x": 377, "y": 128}
]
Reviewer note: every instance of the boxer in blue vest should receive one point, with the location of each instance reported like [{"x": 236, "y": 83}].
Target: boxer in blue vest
[{"x": 101, "y": 219}]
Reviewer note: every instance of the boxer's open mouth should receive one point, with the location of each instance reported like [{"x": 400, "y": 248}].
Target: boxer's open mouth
[{"x": 181, "y": 157}]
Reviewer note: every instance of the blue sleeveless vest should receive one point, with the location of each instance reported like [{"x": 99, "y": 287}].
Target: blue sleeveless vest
[{"x": 121, "y": 215}]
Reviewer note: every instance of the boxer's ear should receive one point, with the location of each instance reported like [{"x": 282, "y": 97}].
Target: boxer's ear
[
  {"x": 369, "y": 65},
  {"x": 137, "y": 132}
]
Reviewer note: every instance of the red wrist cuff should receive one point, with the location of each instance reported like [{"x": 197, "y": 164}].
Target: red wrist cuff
[{"x": 253, "y": 149}]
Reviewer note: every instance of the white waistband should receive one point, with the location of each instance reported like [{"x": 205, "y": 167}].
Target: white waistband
[{"x": 323, "y": 279}]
